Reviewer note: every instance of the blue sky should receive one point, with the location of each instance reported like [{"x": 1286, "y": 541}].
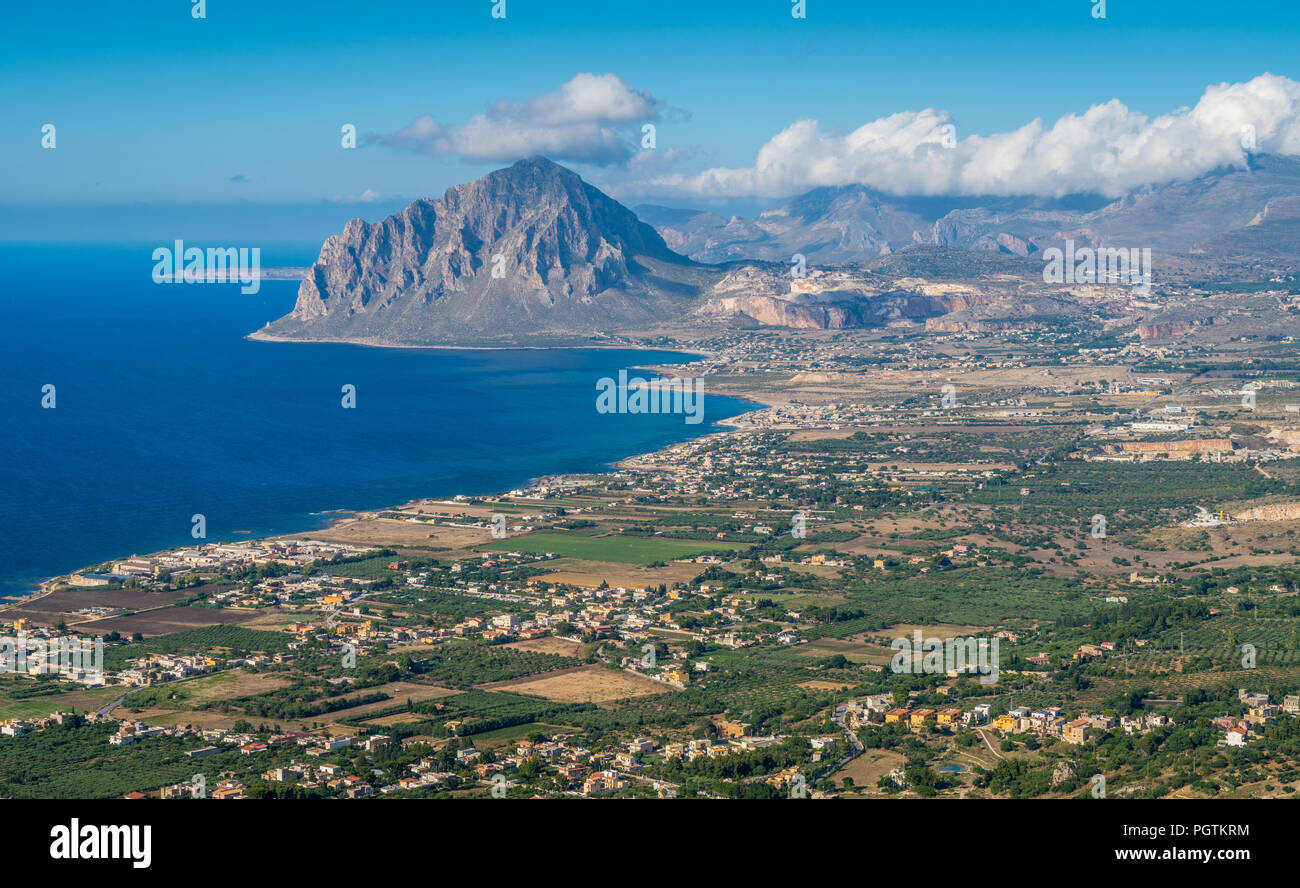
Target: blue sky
[{"x": 154, "y": 108}]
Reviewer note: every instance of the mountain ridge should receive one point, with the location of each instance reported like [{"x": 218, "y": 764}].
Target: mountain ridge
[
  {"x": 529, "y": 249},
  {"x": 845, "y": 224},
  {"x": 532, "y": 254}
]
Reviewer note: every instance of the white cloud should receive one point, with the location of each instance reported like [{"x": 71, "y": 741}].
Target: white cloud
[
  {"x": 1108, "y": 149},
  {"x": 590, "y": 119},
  {"x": 369, "y": 195}
]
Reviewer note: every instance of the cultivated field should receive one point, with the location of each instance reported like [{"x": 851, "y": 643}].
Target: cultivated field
[
  {"x": 631, "y": 576},
  {"x": 368, "y": 531},
  {"x": 581, "y": 684},
  {"x": 616, "y": 548},
  {"x": 398, "y": 692},
  {"x": 867, "y": 769},
  {"x": 72, "y": 697},
  {"x": 182, "y": 696},
  {"x": 168, "y": 619},
  {"x": 549, "y": 644}
]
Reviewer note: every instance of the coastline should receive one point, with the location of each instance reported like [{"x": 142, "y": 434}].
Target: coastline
[
  {"x": 339, "y": 515},
  {"x": 263, "y": 336}
]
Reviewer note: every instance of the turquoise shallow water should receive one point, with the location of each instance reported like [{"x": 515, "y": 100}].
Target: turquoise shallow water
[{"x": 165, "y": 410}]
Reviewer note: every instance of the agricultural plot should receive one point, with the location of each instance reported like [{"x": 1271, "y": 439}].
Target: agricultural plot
[
  {"x": 22, "y": 697},
  {"x": 78, "y": 762},
  {"x": 66, "y": 602},
  {"x": 619, "y": 549},
  {"x": 226, "y": 640},
  {"x": 1066, "y": 495},
  {"x": 582, "y": 684},
  {"x": 180, "y": 702},
  {"x": 592, "y": 573},
  {"x": 167, "y": 620}
]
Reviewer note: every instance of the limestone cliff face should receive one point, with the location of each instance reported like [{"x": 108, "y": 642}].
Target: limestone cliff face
[
  {"x": 829, "y": 299},
  {"x": 524, "y": 250},
  {"x": 1277, "y": 512},
  {"x": 949, "y": 324},
  {"x": 1165, "y": 330}
]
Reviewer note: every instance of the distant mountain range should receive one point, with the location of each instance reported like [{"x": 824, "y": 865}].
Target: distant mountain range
[
  {"x": 532, "y": 253},
  {"x": 1249, "y": 214}
]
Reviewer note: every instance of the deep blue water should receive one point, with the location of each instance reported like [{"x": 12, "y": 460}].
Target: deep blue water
[{"x": 165, "y": 410}]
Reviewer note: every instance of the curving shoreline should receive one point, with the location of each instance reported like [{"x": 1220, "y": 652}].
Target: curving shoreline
[
  {"x": 625, "y": 463},
  {"x": 263, "y": 336}
]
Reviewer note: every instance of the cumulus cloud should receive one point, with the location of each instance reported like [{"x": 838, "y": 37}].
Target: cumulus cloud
[
  {"x": 1109, "y": 149},
  {"x": 592, "y": 118}
]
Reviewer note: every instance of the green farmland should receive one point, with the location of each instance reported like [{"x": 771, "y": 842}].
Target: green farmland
[{"x": 623, "y": 549}]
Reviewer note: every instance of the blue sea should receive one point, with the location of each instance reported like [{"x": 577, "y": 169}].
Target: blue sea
[{"x": 164, "y": 410}]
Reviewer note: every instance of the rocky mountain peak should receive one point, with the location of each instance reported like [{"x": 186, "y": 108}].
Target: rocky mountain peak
[{"x": 528, "y": 248}]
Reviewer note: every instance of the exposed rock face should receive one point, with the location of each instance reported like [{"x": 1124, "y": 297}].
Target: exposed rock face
[
  {"x": 770, "y": 312},
  {"x": 828, "y": 225},
  {"x": 531, "y": 249},
  {"x": 1167, "y": 330},
  {"x": 1190, "y": 445},
  {"x": 532, "y": 253},
  {"x": 948, "y": 324},
  {"x": 829, "y": 300},
  {"x": 1277, "y": 512}
]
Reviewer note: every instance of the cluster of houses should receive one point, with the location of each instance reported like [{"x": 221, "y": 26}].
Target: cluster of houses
[
  {"x": 325, "y": 775},
  {"x": 622, "y": 613},
  {"x": 1259, "y": 711},
  {"x": 47, "y": 651},
  {"x": 578, "y": 768},
  {"x": 1047, "y": 722},
  {"x": 163, "y": 667},
  {"x": 1087, "y": 728},
  {"x": 611, "y": 771},
  {"x": 1050, "y": 723},
  {"x": 318, "y": 776},
  {"x": 313, "y": 745},
  {"x": 881, "y": 709},
  {"x": 415, "y": 515},
  {"x": 16, "y": 727},
  {"x": 212, "y": 558},
  {"x": 582, "y": 771},
  {"x": 38, "y": 650}
]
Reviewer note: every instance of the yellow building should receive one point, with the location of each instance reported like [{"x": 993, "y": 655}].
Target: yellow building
[
  {"x": 1078, "y": 731},
  {"x": 733, "y": 729},
  {"x": 921, "y": 716}
]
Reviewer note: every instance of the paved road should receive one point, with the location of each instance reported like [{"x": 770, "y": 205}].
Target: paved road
[{"x": 105, "y": 710}]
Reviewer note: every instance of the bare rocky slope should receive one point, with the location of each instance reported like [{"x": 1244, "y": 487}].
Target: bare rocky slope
[
  {"x": 532, "y": 254},
  {"x": 526, "y": 252}
]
